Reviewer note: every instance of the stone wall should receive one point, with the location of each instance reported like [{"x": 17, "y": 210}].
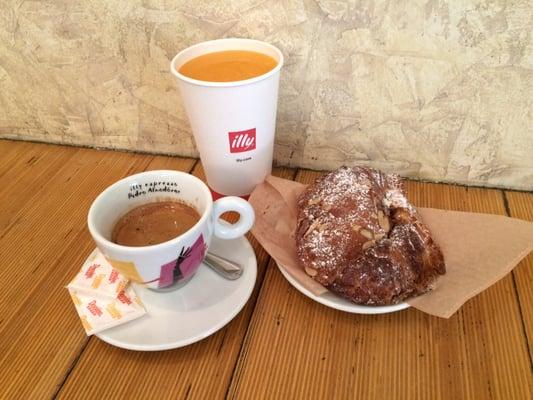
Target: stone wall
[{"x": 434, "y": 89}]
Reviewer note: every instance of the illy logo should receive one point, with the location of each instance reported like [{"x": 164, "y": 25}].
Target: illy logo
[{"x": 241, "y": 141}]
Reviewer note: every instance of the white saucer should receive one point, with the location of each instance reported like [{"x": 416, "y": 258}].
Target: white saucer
[
  {"x": 331, "y": 300},
  {"x": 193, "y": 312}
]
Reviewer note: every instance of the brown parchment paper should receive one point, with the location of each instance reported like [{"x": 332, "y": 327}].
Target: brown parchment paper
[{"x": 479, "y": 249}]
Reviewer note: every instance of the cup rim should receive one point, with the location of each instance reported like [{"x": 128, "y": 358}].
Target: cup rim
[
  {"x": 98, "y": 237},
  {"x": 244, "y": 82}
]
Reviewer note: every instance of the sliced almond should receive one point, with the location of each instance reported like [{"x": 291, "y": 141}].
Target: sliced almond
[
  {"x": 314, "y": 201},
  {"x": 383, "y": 221},
  {"x": 321, "y": 227},
  {"x": 312, "y": 227},
  {"x": 326, "y": 207},
  {"x": 356, "y": 228},
  {"x": 368, "y": 244},
  {"x": 366, "y": 233},
  {"x": 379, "y": 236},
  {"x": 311, "y": 271}
]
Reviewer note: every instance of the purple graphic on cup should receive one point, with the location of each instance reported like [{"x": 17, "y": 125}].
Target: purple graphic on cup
[{"x": 185, "y": 265}]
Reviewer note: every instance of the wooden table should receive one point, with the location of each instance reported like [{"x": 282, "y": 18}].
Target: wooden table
[{"x": 281, "y": 346}]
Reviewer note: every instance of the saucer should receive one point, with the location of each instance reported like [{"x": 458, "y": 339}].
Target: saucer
[
  {"x": 331, "y": 300},
  {"x": 179, "y": 317}
]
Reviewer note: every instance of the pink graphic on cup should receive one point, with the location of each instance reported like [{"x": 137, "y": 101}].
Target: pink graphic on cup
[{"x": 185, "y": 265}]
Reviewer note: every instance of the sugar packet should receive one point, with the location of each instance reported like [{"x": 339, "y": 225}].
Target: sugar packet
[{"x": 102, "y": 296}]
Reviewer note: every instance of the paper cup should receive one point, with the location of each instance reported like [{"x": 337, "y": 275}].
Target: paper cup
[{"x": 233, "y": 123}]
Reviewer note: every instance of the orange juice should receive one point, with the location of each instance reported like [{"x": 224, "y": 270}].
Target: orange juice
[{"x": 228, "y": 66}]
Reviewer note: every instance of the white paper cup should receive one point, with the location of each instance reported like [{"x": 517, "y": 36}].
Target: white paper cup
[
  {"x": 174, "y": 262},
  {"x": 233, "y": 123}
]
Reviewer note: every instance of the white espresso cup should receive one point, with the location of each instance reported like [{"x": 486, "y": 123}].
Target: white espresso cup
[
  {"x": 233, "y": 123},
  {"x": 173, "y": 262}
]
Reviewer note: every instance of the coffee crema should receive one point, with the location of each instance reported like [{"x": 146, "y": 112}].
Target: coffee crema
[
  {"x": 228, "y": 66},
  {"x": 154, "y": 223}
]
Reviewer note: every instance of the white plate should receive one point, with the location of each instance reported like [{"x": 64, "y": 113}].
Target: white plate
[
  {"x": 331, "y": 300},
  {"x": 193, "y": 312}
]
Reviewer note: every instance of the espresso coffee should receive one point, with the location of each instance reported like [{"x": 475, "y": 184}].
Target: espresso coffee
[
  {"x": 154, "y": 223},
  {"x": 228, "y": 66}
]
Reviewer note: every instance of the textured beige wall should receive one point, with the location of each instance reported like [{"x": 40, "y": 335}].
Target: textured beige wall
[{"x": 436, "y": 89}]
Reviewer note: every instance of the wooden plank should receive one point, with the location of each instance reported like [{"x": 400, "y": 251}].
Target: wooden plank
[
  {"x": 40, "y": 333},
  {"x": 297, "y": 348},
  {"x": 199, "y": 371},
  {"x": 32, "y": 166},
  {"x": 520, "y": 205},
  {"x": 10, "y": 152}
]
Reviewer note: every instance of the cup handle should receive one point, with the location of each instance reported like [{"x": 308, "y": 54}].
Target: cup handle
[{"x": 246, "y": 220}]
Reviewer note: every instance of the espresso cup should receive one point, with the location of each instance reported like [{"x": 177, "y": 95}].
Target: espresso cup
[{"x": 174, "y": 262}]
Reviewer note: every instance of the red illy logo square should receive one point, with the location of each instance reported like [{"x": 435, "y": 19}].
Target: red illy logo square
[{"x": 242, "y": 141}]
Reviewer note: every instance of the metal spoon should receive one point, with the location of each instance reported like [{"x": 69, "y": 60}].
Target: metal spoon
[{"x": 225, "y": 268}]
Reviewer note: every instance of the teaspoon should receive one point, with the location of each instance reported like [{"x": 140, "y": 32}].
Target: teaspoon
[{"x": 225, "y": 268}]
